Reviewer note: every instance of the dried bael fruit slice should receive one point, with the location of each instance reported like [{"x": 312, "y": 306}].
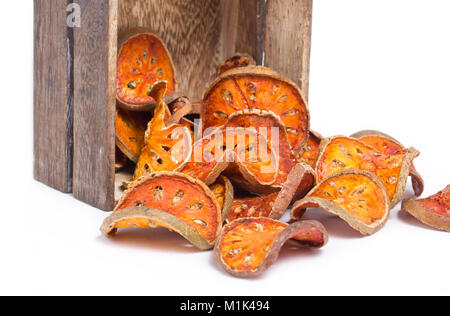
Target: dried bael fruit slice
[
  {"x": 224, "y": 192},
  {"x": 130, "y": 132},
  {"x": 248, "y": 152},
  {"x": 389, "y": 146},
  {"x": 274, "y": 205},
  {"x": 204, "y": 164},
  {"x": 142, "y": 217},
  {"x": 167, "y": 147},
  {"x": 143, "y": 60},
  {"x": 236, "y": 61},
  {"x": 356, "y": 196},
  {"x": 257, "y": 87},
  {"x": 433, "y": 211},
  {"x": 312, "y": 149},
  {"x": 186, "y": 198},
  {"x": 248, "y": 246},
  {"x": 340, "y": 153}
]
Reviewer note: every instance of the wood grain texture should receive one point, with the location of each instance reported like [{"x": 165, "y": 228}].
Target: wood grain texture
[
  {"x": 52, "y": 96},
  {"x": 287, "y": 40},
  {"x": 191, "y": 29},
  {"x": 94, "y": 103}
]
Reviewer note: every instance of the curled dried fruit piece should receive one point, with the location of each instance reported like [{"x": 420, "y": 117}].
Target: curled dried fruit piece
[
  {"x": 340, "y": 153},
  {"x": 433, "y": 211},
  {"x": 312, "y": 149},
  {"x": 300, "y": 180},
  {"x": 186, "y": 198},
  {"x": 236, "y": 61},
  {"x": 167, "y": 147},
  {"x": 143, "y": 60},
  {"x": 256, "y": 87},
  {"x": 130, "y": 132},
  {"x": 224, "y": 192},
  {"x": 142, "y": 217},
  {"x": 248, "y": 246},
  {"x": 389, "y": 146},
  {"x": 356, "y": 196},
  {"x": 245, "y": 149}
]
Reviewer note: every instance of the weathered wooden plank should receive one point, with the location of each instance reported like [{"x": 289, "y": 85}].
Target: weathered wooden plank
[
  {"x": 94, "y": 103},
  {"x": 52, "y": 95},
  {"x": 191, "y": 30},
  {"x": 287, "y": 39}
]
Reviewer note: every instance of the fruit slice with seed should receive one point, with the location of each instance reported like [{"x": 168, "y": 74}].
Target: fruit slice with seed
[
  {"x": 433, "y": 211},
  {"x": 182, "y": 196},
  {"x": 235, "y": 61},
  {"x": 248, "y": 246},
  {"x": 167, "y": 147},
  {"x": 340, "y": 153},
  {"x": 143, "y": 60},
  {"x": 356, "y": 196},
  {"x": 389, "y": 146},
  {"x": 261, "y": 88}
]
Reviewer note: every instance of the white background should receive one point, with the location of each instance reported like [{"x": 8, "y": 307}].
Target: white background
[{"x": 375, "y": 64}]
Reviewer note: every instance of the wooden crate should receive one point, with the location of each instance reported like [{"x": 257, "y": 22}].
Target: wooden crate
[{"x": 75, "y": 69}]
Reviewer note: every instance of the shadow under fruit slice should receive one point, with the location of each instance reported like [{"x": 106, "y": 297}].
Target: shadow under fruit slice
[
  {"x": 182, "y": 196},
  {"x": 167, "y": 147},
  {"x": 224, "y": 192},
  {"x": 235, "y": 61},
  {"x": 389, "y": 146},
  {"x": 300, "y": 180},
  {"x": 120, "y": 160},
  {"x": 143, "y": 60},
  {"x": 340, "y": 153},
  {"x": 130, "y": 132},
  {"x": 433, "y": 211},
  {"x": 248, "y": 246},
  {"x": 257, "y": 87},
  {"x": 356, "y": 196}
]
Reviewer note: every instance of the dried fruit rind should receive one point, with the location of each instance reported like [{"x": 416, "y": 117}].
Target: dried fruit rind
[
  {"x": 248, "y": 246},
  {"x": 142, "y": 217},
  {"x": 186, "y": 198},
  {"x": 341, "y": 152},
  {"x": 433, "y": 211},
  {"x": 235, "y": 61},
  {"x": 143, "y": 59},
  {"x": 257, "y": 87},
  {"x": 357, "y": 196},
  {"x": 130, "y": 132},
  {"x": 224, "y": 192},
  {"x": 167, "y": 147},
  {"x": 389, "y": 145}
]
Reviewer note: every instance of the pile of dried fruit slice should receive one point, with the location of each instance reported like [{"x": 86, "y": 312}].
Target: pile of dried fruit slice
[
  {"x": 254, "y": 139},
  {"x": 433, "y": 211}
]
